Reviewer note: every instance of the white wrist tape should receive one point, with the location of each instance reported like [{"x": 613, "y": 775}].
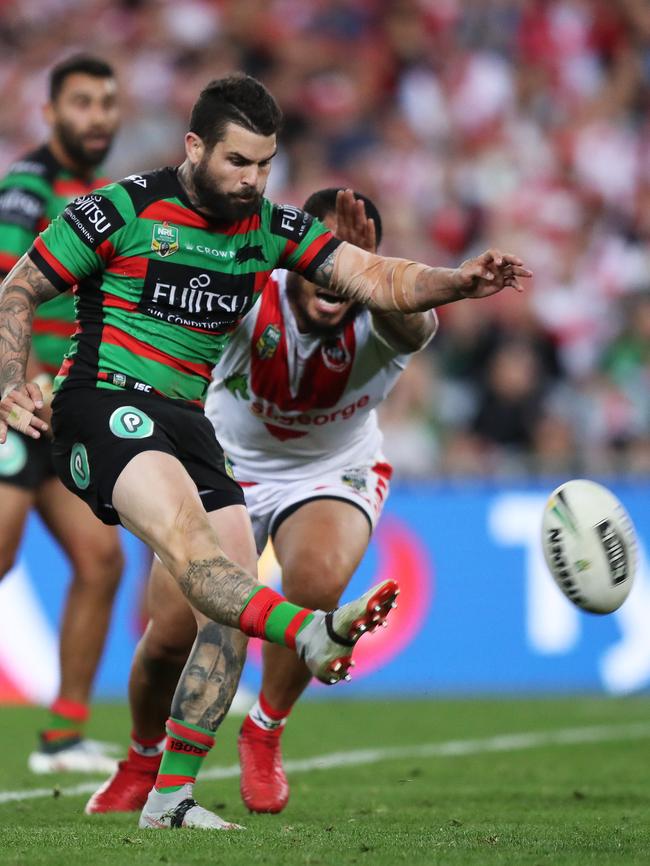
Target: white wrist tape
[{"x": 382, "y": 283}]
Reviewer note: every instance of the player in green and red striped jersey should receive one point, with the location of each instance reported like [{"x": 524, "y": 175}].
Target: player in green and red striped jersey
[
  {"x": 82, "y": 114},
  {"x": 167, "y": 262}
]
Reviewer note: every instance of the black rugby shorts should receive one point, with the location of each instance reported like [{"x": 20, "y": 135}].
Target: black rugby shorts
[
  {"x": 26, "y": 462},
  {"x": 97, "y": 432}
]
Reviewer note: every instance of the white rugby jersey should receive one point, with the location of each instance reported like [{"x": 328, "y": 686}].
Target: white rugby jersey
[{"x": 281, "y": 400}]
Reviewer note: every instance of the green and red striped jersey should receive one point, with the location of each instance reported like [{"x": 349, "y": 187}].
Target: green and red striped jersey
[
  {"x": 160, "y": 288},
  {"x": 35, "y": 190}
]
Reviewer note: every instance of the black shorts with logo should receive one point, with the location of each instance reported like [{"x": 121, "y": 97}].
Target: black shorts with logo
[
  {"x": 98, "y": 431},
  {"x": 26, "y": 462}
]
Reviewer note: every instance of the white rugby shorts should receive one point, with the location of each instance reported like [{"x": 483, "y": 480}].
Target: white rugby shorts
[{"x": 269, "y": 502}]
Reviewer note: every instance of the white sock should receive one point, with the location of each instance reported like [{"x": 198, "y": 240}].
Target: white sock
[
  {"x": 263, "y": 720},
  {"x": 151, "y": 750}
]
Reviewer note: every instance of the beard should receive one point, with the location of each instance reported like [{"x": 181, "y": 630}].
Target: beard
[
  {"x": 221, "y": 205},
  {"x": 315, "y": 327},
  {"x": 74, "y": 146}
]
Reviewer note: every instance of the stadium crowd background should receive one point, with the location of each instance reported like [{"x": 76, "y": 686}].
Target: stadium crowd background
[{"x": 522, "y": 124}]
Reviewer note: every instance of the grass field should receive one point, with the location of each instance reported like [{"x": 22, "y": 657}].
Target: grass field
[{"x": 458, "y": 788}]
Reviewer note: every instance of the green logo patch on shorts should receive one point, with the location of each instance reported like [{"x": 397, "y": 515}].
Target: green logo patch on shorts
[
  {"x": 79, "y": 466},
  {"x": 127, "y": 422},
  {"x": 13, "y": 455}
]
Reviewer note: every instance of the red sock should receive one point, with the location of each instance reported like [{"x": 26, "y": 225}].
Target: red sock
[
  {"x": 67, "y": 719},
  {"x": 270, "y": 616}
]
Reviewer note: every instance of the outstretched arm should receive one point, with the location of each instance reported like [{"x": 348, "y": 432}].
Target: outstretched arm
[
  {"x": 398, "y": 284},
  {"x": 23, "y": 289},
  {"x": 405, "y": 332}
]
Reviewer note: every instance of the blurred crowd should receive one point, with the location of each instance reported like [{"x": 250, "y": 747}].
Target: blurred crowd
[{"x": 521, "y": 124}]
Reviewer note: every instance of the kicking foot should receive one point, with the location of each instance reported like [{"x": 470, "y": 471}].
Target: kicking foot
[
  {"x": 179, "y": 809},
  {"x": 128, "y": 787},
  {"x": 326, "y": 643},
  {"x": 75, "y": 755},
  {"x": 263, "y": 784}
]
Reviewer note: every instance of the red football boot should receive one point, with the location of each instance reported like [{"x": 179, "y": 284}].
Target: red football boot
[
  {"x": 263, "y": 784},
  {"x": 128, "y": 787}
]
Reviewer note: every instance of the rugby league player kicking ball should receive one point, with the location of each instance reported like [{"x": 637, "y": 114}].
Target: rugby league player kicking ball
[
  {"x": 293, "y": 405},
  {"x": 130, "y": 437}
]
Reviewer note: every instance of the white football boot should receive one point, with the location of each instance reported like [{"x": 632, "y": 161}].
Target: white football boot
[
  {"x": 82, "y": 756},
  {"x": 179, "y": 809},
  {"x": 325, "y": 644}
]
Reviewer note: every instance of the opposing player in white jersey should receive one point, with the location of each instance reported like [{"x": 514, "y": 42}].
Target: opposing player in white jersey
[{"x": 293, "y": 403}]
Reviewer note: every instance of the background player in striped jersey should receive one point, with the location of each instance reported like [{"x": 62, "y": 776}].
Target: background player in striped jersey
[
  {"x": 293, "y": 405},
  {"x": 82, "y": 113},
  {"x": 129, "y": 437}
]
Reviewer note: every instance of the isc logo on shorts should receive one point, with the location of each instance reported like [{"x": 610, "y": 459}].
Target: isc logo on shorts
[{"x": 127, "y": 422}]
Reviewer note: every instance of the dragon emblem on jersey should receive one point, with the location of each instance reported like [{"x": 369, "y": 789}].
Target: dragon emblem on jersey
[
  {"x": 237, "y": 384},
  {"x": 164, "y": 239},
  {"x": 268, "y": 342},
  {"x": 355, "y": 478},
  {"x": 336, "y": 356}
]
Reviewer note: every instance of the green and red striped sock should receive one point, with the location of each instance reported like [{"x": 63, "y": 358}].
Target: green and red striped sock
[
  {"x": 268, "y": 615},
  {"x": 185, "y": 748},
  {"x": 67, "y": 720}
]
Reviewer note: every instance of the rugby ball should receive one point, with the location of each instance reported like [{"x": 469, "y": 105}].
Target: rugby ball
[{"x": 589, "y": 545}]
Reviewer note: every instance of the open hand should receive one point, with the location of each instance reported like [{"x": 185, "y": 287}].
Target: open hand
[
  {"x": 489, "y": 273},
  {"x": 352, "y": 224}
]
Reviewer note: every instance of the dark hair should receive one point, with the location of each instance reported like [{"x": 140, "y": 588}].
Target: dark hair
[
  {"x": 238, "y": 99},
  {"x": 323, "y": 202},
  {"x": 85, "y": 64}
]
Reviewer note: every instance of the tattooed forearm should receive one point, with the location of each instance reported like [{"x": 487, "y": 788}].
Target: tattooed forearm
[
  {"x": 434, "y": 287},
  {"x": 209, "y": 681},
  {"x": 218, "y": 588},
  {"x": 22, "y": 290},
  {"x": 323, "y": 273},
  {"x": 405, "y": 332}
]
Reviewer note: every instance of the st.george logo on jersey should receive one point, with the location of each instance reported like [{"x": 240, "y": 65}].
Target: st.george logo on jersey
[
  {"x": 164, "y": 239},
  {"x": 336, "y": 355}
]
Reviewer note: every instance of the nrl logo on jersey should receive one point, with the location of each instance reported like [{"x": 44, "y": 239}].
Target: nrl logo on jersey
[
  {"x": 268, "y": 343},
  {"x": 164, "y": 239},
  {"x": 356, "y": 479}
]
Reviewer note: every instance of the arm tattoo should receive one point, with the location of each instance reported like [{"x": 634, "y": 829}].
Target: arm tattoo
[
  {"x": 209, "y": 681},
  {"x": 218, "y": 588},
  {"x": 434, "y": 287},
  {"x": 22, "y": 290},
  {"x": 323, "y": 273}
]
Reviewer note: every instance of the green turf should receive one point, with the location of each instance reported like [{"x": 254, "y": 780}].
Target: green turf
[{"x": 560, "y": 804}]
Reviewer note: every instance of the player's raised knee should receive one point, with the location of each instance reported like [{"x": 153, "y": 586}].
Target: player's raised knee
[
  {"x": 318, "y": 582},
  {"x": 166, "y": 649}
]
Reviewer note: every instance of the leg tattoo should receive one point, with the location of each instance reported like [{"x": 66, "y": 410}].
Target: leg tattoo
[
  {"x": 218, "y": 588},
  {"x": 209, "y": 681}
]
